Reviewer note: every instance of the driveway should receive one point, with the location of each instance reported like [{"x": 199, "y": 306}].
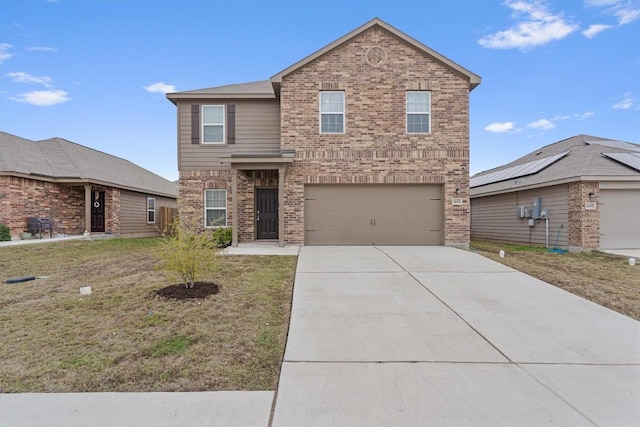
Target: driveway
[{"x": 402, "y": 336}]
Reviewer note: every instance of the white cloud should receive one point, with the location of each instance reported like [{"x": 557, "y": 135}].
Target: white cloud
[
  {"x": 625, "y": 11},
  {"x": 627, "y": 15},
  {"x": 543, "y": 124},
  {"x": 42, "y": 49},
  {"x": 585, "y": 115},
  {"x": 625, "y": 103},
  {"x": 43, "y": 98},
  {"x": 27, "y": 78},
  {"x": 160, "y": 88},
  {"x": 594, "y": 30},
  {"x": 498, "y": 127},
  {"x": 4, "y": 54},
  {"x": 537, "y": 26}
]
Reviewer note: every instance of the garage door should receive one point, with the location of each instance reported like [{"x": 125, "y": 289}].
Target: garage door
[
  {"x": 373, "y": 214},
  {"x": 619, "y": 219}
]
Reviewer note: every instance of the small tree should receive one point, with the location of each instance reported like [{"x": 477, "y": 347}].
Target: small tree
[{"x": 186, "y": 254}]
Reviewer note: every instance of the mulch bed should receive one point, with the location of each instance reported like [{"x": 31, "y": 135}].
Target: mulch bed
[{"x": 199, "y": 290}]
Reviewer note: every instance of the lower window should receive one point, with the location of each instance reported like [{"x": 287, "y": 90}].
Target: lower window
[
  {"x": 215, "y": 208},
  {"x": 151, "y": 210}
]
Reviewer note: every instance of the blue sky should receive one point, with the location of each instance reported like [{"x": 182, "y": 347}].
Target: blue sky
[{"x": 95, "y": 72}]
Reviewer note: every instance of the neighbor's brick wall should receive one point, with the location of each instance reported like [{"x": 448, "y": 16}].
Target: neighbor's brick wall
[
  {"x": 584, "y": 225},
  {"x": 21, "y": 198},
  {"x": 376, "y": 147}
]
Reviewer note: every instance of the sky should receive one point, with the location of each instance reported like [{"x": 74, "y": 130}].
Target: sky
[{"x": 95, "y": 72}]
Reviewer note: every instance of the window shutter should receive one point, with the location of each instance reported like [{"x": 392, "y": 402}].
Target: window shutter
[
  {"x": 231, "y": 124},
  {"x": 195, "y": 124}
]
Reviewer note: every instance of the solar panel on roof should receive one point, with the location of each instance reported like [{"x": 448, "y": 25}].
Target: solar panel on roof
[
  {"x": 615, "y": 144},
  {"x": 630, "y": 159},
  {"x": 516, "y": 171}
]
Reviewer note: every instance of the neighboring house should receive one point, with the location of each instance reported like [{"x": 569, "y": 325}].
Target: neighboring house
[
  {"x": 81, "y": 189},
  {"x": 365, "y": 141},
  {"x": 589, "y": 186}
]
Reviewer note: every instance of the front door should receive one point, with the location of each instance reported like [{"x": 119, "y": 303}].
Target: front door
[
  {"x": 97, "y": 211},
  {"x": 267, "y": 213}
]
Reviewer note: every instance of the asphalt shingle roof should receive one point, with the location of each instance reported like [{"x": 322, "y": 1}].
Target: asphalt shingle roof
[
  {"x": 58, "y": 158},
  {"x": 585, "y": 159}
]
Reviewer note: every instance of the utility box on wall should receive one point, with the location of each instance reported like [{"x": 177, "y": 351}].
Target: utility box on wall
[
  {"x": 536, "y": 209},
  {"x": 520, "y": 211}
]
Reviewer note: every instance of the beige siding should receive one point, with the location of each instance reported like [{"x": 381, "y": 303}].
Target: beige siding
[
  {"x": 133, "y": 213},
  {"x": 257, "y": 129},
  {"x": 494, "y": 217}
]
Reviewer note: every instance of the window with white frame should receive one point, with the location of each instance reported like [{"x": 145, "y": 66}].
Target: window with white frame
[
  {"x": 215, "y": 208},
  {"x": 213, "y": 124},
  {"x": 419, "y": 112},
  {"x": 331, "y": 112},
  {"x": 151, "y": 210}
]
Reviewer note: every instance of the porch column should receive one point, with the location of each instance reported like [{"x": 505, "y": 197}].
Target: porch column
[
  {"x": 87, "y": 208},
  {"x": 281, "y": 205},
  {"x": 234, "y": 207}
]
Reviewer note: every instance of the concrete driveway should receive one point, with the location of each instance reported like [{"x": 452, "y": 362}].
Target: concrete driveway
[{"x": 414, "y": 336}]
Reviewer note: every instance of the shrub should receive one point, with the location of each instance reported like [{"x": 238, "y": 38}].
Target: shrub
[
  {"x": 5, "y": 233},
  {"x": 185, "y": 255},
  {"x": 222, "y": 237}
]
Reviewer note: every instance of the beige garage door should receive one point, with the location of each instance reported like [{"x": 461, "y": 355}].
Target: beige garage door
[
  {"x": 619, "y": 219},
  {"x": 373, "y": 214}
]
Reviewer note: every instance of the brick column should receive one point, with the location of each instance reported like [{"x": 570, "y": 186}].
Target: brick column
[{"x": 584, "y": 220}]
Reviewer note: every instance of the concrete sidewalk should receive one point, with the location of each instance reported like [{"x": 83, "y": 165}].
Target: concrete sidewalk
[{"x": 411, "y": 336}]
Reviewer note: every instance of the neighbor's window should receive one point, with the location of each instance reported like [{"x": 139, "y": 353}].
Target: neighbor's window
[
  {"x": 213, "y": 124},
  {"x": 215, "y": 208},
  {"x": 151, "y": 210},
  {"x": 418, "y": 112},
  {"x": 331, "y": 112}
]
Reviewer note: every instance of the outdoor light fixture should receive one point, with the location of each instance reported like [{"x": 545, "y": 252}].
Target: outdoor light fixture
[
  {"x": 592, "y": 195},
  {"x": 458, "y": 191}
]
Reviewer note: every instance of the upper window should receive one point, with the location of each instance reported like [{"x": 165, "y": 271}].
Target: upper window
[
  {"x": 215, "y": 208},
  {"x": 418, "y": 112},
  {"x": 213, "y": 124},
  {"x": 151, "y": 210},
  {"x": 331, "y": 112}
]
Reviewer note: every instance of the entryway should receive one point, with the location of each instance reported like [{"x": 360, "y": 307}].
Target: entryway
[
  {"x": 97, "y": 211},
  {"x": 266, "y": 213}
]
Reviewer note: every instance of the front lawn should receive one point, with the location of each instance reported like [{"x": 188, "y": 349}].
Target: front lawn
[
  {"x": 605, "y": 279},
  {"x": 126, "y": 337}
]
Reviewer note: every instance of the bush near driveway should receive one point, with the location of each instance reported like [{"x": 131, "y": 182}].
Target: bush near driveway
[
  {"x": 605, "y": 279},
  {"x": 125, "y": 337}
]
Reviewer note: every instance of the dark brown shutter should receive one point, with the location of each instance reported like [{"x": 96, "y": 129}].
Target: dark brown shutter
[
  {"x": 195, "y": 124},
  {"x": 231, "y": 124}
]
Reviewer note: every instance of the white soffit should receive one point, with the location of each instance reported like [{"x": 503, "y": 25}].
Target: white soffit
[
  {"x": 629, "y": 159},
  {"x": 516, "y": 171}
]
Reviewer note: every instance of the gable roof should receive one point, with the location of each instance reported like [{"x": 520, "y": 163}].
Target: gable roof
[
  {"x": 59, "y": 160},
  {"x": 578, "y": 158},
  {"x": 474, "y": 79},
  {"x": 269, "y": 88}
]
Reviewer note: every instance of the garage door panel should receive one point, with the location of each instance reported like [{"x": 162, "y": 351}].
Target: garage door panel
[
  {"x": 373, "y": 214},
  {"x": 619, "y": 219}
]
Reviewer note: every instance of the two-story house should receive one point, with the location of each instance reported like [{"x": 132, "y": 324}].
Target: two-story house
[{"x": 365, "y": 141}]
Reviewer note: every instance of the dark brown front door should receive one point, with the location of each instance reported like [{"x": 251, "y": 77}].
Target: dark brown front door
[
  {"x": 267, "y": 213},
  {"x": 97, "y": 211}
]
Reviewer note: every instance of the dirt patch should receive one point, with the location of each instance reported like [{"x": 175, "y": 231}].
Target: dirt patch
[{"x": 200, "y": 290}]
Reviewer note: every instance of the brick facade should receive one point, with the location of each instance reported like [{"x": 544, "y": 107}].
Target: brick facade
[
  {"x": 584, "y": 224},
  {"x": 21, "y": 198},
  {"x": 375, "y": 147}
]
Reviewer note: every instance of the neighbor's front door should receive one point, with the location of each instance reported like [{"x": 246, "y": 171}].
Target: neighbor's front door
[
  {"x": 267, "y": 213},
  {"x": 97, "y": 211}
]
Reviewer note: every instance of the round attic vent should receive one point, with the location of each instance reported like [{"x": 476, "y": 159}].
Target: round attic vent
[{"x": 376, "y": 56}]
